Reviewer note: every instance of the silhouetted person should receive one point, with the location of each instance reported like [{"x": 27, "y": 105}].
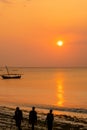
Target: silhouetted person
[
  {"x": 18, "y": 117},
  {"x": 33, "y": 117},
  {"x": 49, "y": 120}
]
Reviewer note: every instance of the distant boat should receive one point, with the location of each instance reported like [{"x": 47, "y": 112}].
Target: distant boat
[{"x": 10, "y": 76}]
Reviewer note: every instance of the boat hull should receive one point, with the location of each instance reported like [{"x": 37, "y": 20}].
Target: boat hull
[{"x": 11, "y": 76}]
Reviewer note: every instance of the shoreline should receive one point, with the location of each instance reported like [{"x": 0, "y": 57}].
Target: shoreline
[{"x": 61, "y": 122}]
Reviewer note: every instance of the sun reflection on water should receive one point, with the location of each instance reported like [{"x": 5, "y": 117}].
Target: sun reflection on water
[{"x": 60, "y": 93}]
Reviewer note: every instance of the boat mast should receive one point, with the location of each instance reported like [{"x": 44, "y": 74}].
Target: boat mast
[{"x": 7, "y": 70}]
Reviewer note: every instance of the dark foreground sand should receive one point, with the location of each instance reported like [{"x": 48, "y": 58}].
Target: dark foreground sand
[{"x": 61, "y": 122}]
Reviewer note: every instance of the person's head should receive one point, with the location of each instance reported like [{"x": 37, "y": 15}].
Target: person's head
[
  {"x": 51, "y": 110},
  {"x": 17, "y": 108},
  {"x": 33, "y": 108}
]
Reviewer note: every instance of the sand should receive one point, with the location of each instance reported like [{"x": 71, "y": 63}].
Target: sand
[{"x": 61, "y": 122}]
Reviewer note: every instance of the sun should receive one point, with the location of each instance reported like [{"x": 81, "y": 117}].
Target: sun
[{"x": 60, "y": 43}]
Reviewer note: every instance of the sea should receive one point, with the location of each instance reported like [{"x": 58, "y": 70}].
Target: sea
[{"x": 62, "y": 89}]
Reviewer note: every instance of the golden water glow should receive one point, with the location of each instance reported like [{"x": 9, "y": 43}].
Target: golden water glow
[{"x": 60, "y": 93}]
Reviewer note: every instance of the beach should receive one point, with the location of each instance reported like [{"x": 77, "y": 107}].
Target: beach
[{"x": 61, "y": 122}]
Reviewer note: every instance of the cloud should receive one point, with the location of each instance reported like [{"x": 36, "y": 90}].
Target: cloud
[
  {"x": 9, "y": 1},
  {"x": 5, "y": 1}
]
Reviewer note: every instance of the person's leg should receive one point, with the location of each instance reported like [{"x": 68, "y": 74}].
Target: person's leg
[
  {"x": 19, "y": 128},
  {"x": 49, "y": 127},
  {"x": 32, "y": 126},
  {"x": 19, "y": 125}
]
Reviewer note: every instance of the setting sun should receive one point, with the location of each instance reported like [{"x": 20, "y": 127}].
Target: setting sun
[{"x": 60, "y": 43}]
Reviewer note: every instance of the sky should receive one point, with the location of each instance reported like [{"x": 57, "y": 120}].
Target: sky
[{"x": 30, "y": 29}]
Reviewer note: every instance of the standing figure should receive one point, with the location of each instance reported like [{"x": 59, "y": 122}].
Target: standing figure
[
  {"x": 49, "y": 120},
  {"x": 18, "y": 117},
  {"x": 33, "y": 117}
]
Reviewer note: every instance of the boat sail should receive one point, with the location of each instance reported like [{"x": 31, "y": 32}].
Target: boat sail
[{"x": 10, "y": 76}]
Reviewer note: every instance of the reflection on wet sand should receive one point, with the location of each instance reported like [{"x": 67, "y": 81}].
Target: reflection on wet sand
[{"x": 60, "y": 93}]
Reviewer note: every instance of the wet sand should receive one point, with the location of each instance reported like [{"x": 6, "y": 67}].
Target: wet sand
[{"x": 61, "y": 122}]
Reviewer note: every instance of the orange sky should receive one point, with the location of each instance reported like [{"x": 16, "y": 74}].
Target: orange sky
[{"x": 29, "y": 30}]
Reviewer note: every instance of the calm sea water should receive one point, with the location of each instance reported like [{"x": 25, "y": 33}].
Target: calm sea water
[{"x": 60, "y": 88}]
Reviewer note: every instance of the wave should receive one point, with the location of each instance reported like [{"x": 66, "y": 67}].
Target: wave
[
  {"x": 47, "y": 107},
  {"x": 62, "y": 109}
]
